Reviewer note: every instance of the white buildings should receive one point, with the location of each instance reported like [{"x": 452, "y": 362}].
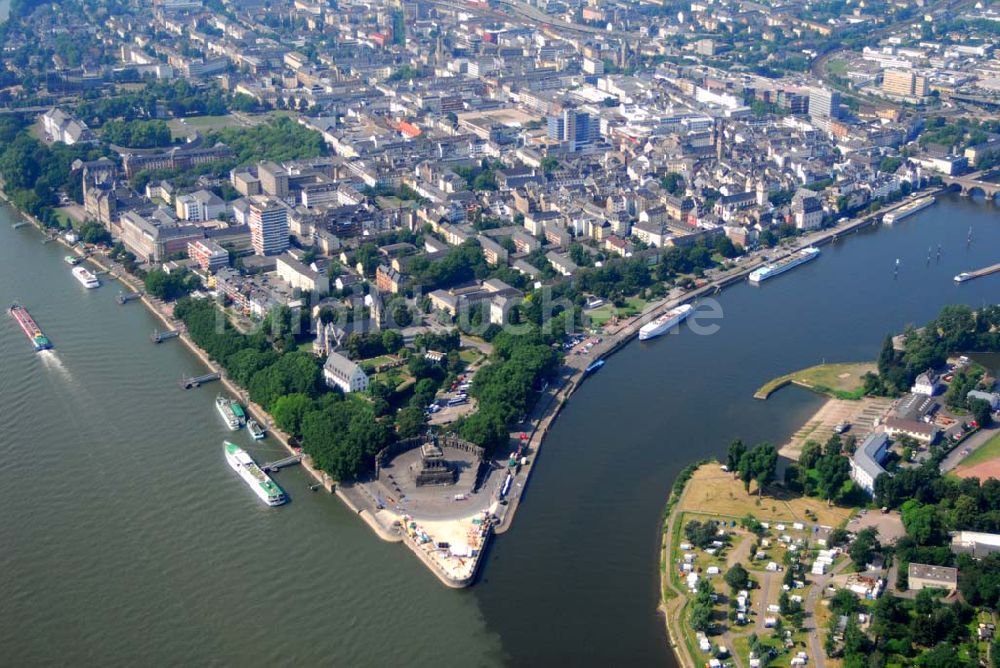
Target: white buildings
[
  {"x": 60, "y": 126},
  {"x": 300, "y": 276},
  {"x": 808, "y": 212},
  {"x": 927, "y": 576},
  {"x": 975, "y": 543},
  {"x": 268, "y": 226},
  {"x": 338, "y": 371},
  {"x": 209, "y": 255},
  {"x": 992, "y": 398},
  {"x": 199, "y": 206},
  {"x": 866, "y": 464},
  {"x": 926, "y": 384}
]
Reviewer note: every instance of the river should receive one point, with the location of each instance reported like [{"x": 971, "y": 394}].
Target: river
[
  {"x": 576, "y": 580},
  {"x": 129, "y": 539}
]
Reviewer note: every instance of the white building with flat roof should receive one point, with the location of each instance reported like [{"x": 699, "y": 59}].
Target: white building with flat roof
[{"x": 301, "y": 276}]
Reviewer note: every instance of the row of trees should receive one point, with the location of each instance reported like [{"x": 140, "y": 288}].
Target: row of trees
[
  {"x": 754, "y": 464},
  {"x": 179, "y": 98},
  {"x": 342, "y": 435},
  {"x": 508, "y": 386},
  {"x": 825, "y": 470},
  {"x": 952, "y": 504}
]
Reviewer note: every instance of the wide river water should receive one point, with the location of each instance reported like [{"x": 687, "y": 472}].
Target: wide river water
[{"x": 128, "y": 539}]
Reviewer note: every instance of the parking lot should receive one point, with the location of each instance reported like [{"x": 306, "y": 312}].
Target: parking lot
[
  {"x": 888, "y": 525},
  {"x": 579, "y": 345},
  {"x": 452, "y": 402}
]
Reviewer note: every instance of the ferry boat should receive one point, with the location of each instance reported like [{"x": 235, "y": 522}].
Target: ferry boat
[
  {"x": 256, "y": 431},
  {"x": 259, "y": 482},
  {"x": 72, "y": 260},
  {"x": 594, "y": 366},
  {"x": 34, "y": 333},
  {"x": 665, "y": 322},
  {"x": 908, "y": 209},
  {"x": 783, "y": 265},
  {"x": 230, "y": 411},
  {"x": 87, "y": 279}
]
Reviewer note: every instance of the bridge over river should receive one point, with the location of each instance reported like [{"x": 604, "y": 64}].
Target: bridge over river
[{"x": 971, "y": 183}]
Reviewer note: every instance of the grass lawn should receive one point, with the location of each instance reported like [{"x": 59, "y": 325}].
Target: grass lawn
[
  {"x": 715, "y": 492},
  {"x": 635, "y": 304},
  {"x": 373, "y": 362},
  {"x": 37, "y": 131},
  {"x": 200, "y": 124},
  {"x": 600, "y": 315},
  {"x": 392, "y": 377},
  {"x": 838, "y": 67},
  {"x": 65, "y": 221},
  {"x": 984, "y": 453},
  {"x": 842, "y": 381},
  {"x": 398, "y": 379},
  {"x": 469, "y": 355}
]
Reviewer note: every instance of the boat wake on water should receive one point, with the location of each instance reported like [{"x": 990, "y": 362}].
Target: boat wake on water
[{"x": 50, "y": 358}]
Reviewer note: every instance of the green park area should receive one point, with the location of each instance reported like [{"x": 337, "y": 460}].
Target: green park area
[
  {"x": 838, "y": 67},
  {"x": 841, "y": 381},
  {"x": 601, "y": 315},
  {"x": 187, "y": 127}
]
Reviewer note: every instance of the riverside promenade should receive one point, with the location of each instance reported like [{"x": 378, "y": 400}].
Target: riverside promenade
[
  {"x": 614, "y": 337},
  {"x": 542, "y": 416}
]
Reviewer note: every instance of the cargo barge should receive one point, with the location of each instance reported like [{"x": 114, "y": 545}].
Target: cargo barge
[{"x": 30, "y": 328}]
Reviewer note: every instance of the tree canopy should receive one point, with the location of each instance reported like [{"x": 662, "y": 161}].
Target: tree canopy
[
  {"x": 280, "y": 139},
  {"x": 137, "y": 133}
]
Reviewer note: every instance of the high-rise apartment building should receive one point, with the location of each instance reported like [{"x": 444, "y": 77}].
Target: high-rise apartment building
[
  {"x": 824, "y": 103},
  {"x": 575, "y": 128},
  {"x": 268, "y": 226},
  {"x": 905, "y": 83}
]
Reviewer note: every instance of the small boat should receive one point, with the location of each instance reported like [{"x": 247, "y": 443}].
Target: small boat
[
  {"x": 594, "y": 366},
  {"x": 72, "y": 260},
  {"x": 256, "y": 431},
  {"x": 963, "y": 277}
]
